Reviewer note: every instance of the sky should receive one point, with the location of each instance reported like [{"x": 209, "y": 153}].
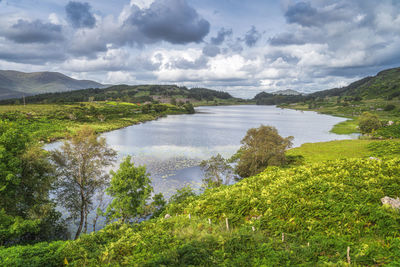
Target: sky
[{"x": 242, "y": 47}]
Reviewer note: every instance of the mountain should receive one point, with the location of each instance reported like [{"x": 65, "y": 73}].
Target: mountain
[
  {"x": 386, "y": 84},
  {"x": 15, "y": 83},
  {"x": 286, "y": 92}
]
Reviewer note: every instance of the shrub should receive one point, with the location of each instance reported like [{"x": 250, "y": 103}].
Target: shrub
[{"x": 368, "y": 123}]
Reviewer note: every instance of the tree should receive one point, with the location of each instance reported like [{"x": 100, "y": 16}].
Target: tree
[
  {"x": 261, "y": 147},
  {"x": 368, "y": 123},
  {"x": 130, "y": 189},
  {"x": 80, "y": 167},
  {"x": 217, "y": 171},
  {"x": 26, "y": 176}
]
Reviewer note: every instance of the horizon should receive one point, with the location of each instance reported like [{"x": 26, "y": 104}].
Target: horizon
[{"x": 241, "y": 48}]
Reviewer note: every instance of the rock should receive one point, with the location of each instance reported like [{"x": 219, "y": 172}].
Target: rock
[
  {"x": 394, "y": 203},
  {"x": 167, "y": 216}
]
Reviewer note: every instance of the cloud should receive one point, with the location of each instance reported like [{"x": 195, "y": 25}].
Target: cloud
[
  {"x": 211, "y": 50},
  {"x": 79, "y": 15},
  {"x": 301, "y": 13},
  {"x": 35, "y": 53},
  {"x": 33, "y": 32},
  {"x": 304, "y": 14},
  {"x": 220, "y": 38},
  {"x": 252, "y": 36},
  {"x": 173, "y": 21},
  {"x": 286, "y": 39}
]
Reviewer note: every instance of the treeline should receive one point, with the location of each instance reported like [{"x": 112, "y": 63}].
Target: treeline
[{"x": 126, "y": 93}]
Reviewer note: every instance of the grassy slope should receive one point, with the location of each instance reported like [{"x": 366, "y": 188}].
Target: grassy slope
[
  {"x": 321, "y": 208},
  {"x": 318, "y": 152},
  {"x": 49, "y": 122}
]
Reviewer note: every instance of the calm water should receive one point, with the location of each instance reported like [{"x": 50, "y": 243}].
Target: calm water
[{"x": 172, "y": 147}]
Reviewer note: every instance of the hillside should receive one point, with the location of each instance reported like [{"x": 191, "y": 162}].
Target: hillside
[
  {"x": 15, "y": 83},
  {"x": 264, "y": 98},
  {"x": 134, "y": 94},
  {"x": 306, "y": 215},
  {"x": 386, "y": 84},
  {"x": 286, "y": 92}
]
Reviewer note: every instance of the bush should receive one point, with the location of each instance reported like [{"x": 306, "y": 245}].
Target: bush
[
  {"x": 389, "y": 107},
  {"x": 261, "y": 147},
  {"x": 368, "y": 123}
]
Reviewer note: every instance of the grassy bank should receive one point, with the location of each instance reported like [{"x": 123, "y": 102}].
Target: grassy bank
[
  {"x": 323, "y": 151},
  {"x": 49, "y": 122}
]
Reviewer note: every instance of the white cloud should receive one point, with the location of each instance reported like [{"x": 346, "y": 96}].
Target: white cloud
[{"x": 117, "y": 77}]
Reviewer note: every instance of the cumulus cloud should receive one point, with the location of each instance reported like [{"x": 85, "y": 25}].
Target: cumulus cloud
[
  {"x": 173, "y": 21},
  {"x": 220, "y": 38},
  {"x": 79, "y": 15},
  {"x": 33, "y": 32},
  {"x": 252, "y": 36}
]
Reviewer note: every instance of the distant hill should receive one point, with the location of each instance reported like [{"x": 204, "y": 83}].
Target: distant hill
[
  {"x": 264, "y": 98},
  {"x": 15, "y": 83},
  {"x": 286, "y": 92},
  {"x": 132, "y": 93},
  {"x": 386, "y": 84}
]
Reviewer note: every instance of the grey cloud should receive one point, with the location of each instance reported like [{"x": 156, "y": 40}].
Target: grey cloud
[
  {"x": 286, "y": 39},
  {"x": 211, "y": 50},
  {"x": 37, "y": 54},
  {"x": 173, "y": 21},
  {"x": 252, "y": 36},
  {"x": 301, "y": 13},
  {"x": 79, "y": 15},
  {"x": 220, "y": 38},
  {"x": 33, "y": 32},
  {"x": 199, "y": 63},
  {"x": 304, "y": 14}
]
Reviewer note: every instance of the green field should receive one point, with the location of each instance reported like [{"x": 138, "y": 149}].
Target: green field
[{"x": 49, "y": 122}]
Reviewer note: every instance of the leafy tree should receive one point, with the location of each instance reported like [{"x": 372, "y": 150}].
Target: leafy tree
[
  {"x": 189, "y": 108},
  {"x": 182, "y": 194},
  {"x": 26, "y": 177},
  {"x": 130, "y": 188},
  {"x": 261, "y": 147},
  {"x": 158, "y": 205},
  {"x": 80, "y": 166},
  {"x": 217, "y": 171},
  {"x": 368, "y": 123}
]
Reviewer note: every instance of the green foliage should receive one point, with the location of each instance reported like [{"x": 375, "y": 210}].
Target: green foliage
[
  {"x": 189, "y": 108},
  {"x": 26, "y": 177},
  {"x": 261, "y": 147},
  {"x": 389, "y": 107},
  {"x": 389, "y": 131},
  {"x": 80, "y": 173},
  {"x": 369, "y": 123},
  {"x": 332, "y": 150},
  {"x": 126, "y": 93},
  {"x": 321, "y": 208},
  {"x": 41, "y": 254},
  {"x": 49, "y": 122},
  {"x": 130, "y": 188},
  {"x": 217, "y": 171},
  {"x": 387, "y": 148}
]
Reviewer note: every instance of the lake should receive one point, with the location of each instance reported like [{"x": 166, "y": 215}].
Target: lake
[{"x": 172, "y": 147}]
